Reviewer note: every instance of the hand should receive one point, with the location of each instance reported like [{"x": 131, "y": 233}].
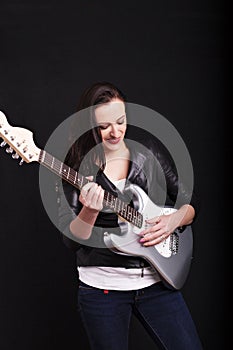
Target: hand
[
  {"x": 91, "y": 196},
  {"x": 158, "y": 231}
]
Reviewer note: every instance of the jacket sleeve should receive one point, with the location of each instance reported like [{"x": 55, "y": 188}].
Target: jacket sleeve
[
  {"x": 178, "y": 190},
  {"x": 178, "y": 187}
]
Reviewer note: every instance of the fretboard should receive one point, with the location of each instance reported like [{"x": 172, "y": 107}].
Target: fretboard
[{"x": 77, "y": 180}]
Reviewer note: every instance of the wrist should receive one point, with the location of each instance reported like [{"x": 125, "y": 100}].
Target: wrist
[{"x": 89, "y": 214}]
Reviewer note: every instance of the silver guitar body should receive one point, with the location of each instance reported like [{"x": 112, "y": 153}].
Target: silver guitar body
[{"x": 171, "y": 258}]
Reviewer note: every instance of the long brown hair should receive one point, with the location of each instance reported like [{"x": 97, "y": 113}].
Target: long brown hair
[{"x": 84, "y": 145}]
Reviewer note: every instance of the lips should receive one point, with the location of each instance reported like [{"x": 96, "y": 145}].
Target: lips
[{"x": 114, "y": 141}]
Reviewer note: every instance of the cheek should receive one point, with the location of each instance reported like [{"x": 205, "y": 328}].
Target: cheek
[
  {"x": 124, "y": 129},
  {"x": 103, "y": 134}
]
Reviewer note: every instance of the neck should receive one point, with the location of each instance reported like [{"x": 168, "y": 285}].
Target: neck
[{"x": 122, "y": 152}]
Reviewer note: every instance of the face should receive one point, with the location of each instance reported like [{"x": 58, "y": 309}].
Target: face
[{"x": 111, "y": 119}]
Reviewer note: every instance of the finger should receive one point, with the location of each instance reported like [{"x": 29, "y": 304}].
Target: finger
[
  {"x": 91, "y": 189},
  {"x": 151, "y": 229},
  {"x": 82, "y": 200},
  {"x": 101, "y": 193},
  {"x": 151, "y": 235},
  {"x": 84, "y": 194},
  {"x": 86, "y": 188},
  {"x": 99, "y": 197},
  {"x": 95, "y": 197},
  {"x": 93, "y": 194},
  {"x": 155, "y": 220},
  {"x": 90, "y": 178},
  {"x": 155, "y": 241}
]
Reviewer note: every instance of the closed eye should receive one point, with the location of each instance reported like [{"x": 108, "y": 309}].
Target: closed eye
[
  {"x": 119, "y": 121},
  {"x": 103, "y": 126}
]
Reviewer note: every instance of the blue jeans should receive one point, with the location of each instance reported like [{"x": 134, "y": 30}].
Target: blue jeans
[{"x": 106, "y": 317}]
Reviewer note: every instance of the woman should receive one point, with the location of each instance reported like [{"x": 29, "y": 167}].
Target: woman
[{"x": 113, "y": 286}]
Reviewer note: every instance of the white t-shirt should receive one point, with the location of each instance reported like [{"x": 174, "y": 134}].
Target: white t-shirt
[{"x": 118, "y": 278}]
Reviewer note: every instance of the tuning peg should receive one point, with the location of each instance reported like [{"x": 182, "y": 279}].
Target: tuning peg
[
  {"x": 21, "y": 162},
  {"x": 15, "y": 156},
  {"x": 9, "y": 150},
  {"x": 3, "y": 143}
]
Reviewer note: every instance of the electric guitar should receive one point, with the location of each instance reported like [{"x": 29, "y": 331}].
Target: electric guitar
[{"x": 171, "y": 257}]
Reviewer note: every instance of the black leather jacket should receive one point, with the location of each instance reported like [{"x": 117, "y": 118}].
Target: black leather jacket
[{"x": 153, "y": 170}]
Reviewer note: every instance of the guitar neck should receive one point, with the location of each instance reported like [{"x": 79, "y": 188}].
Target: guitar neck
[{"x": 77, "y": 180}]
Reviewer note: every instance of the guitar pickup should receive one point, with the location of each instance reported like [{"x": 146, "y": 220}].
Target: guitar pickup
[{"x": 174, "y": 243}]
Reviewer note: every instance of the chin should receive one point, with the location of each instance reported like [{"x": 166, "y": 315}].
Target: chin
[{"x": 112, "y": 147}]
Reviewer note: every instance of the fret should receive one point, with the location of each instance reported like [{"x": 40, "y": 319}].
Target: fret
[
  {"x": 80, "y": 181},
  {"x": 43, "y": 156},
  {"x": 114, "y": 203},
  {"x": 112, "y": 200},
  {"x": 129, "y": 214},
  {"x": 123, "y": 208},
  {"x": 68, "y": 173},
  {"x": 46, "y": 158},
  {"x": 57, "y": 167},
  {"x": 135, "y": 219},
  {"x": 117, "y": 205},
  {"x": 122, "y": 205},
  {"x": 72, "y": 173},
  {"x": 107, "y": 193},
  {"x": 60, "y": 169},
  {"x": 75, "y": 177},
  {"x": 65, "y": 171}
]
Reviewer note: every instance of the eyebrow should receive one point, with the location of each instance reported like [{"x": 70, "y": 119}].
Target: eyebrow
[{"x": 101, "y": 123}]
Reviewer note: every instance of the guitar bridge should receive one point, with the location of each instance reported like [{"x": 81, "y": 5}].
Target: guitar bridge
[{"x": 174, "y": 243}]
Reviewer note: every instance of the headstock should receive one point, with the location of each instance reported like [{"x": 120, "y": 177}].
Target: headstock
[{"x": 19, "y": 140}]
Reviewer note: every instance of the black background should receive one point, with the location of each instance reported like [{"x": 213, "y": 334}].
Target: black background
[{"x": 170, "y": 56}]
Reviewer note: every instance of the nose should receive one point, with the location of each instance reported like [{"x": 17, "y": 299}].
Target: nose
[{"x": 114, "y": 130}]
